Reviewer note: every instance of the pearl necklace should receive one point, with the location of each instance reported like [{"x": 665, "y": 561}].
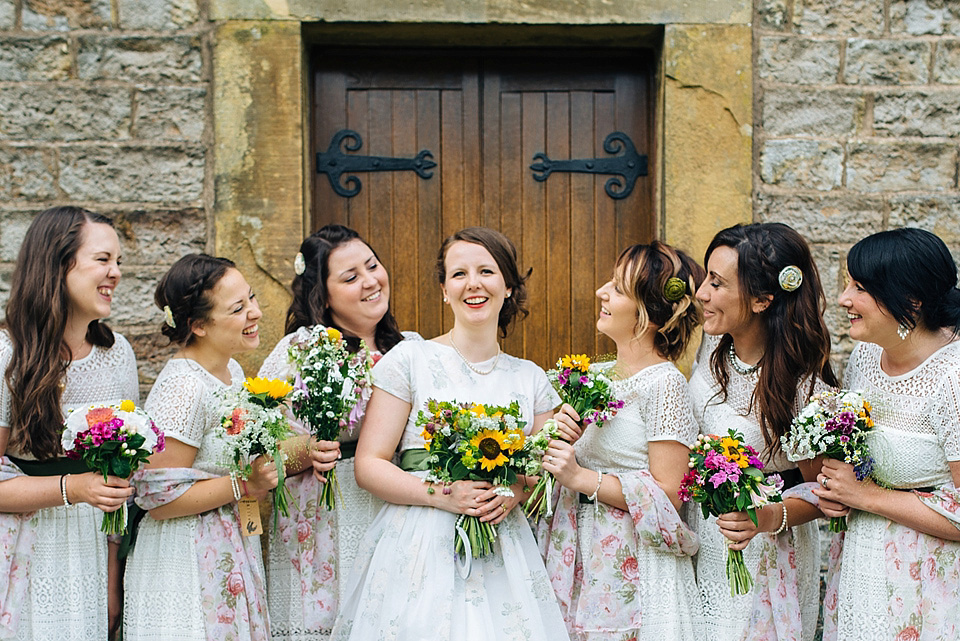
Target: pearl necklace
[
  {"x": 469, "y": 364},
  {"x": 737, "y": 367}
]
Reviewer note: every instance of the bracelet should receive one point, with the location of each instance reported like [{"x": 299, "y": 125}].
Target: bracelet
[
  {"x": 593, "y": 497},
  {"x": 783, "y": 523},
  {"x": 244, "y": 484},
  {"x": 235, "y": 486},
  {"x": 63, "y": 490}
]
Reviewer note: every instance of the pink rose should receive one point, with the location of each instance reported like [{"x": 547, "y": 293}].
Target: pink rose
[
  {"x": 915, "y": 571},
  {"x": 303, "y": 531},
  {"x": 930, "y": 568},
  {"x": 609, "y": 544},
  {"x": 908, "y": 634},
  {"x": 568, "y": 556},
  {"x": 234, "y": 583},
  {"x": 326, "y": 572},
  {"x": 629, "y": 569},
  {"x": 225, "y": 614}
]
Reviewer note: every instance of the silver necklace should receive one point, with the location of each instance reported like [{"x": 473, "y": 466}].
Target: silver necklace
[
  {"x": 737, "y": 367},
  {"x": 469, "y": 364}
]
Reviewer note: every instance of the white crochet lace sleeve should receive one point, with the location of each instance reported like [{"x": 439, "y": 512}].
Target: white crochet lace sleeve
[
  {"x": 6, "y": 353},
  {"x": 393, "y": 373},
  {"x": 947, "y": 419},
  {"x": 277, "y": 364},
  {"x": 176, "y": 404},
  {"x": 672, "y": 410},
  {"x": 546, "y": 397}
]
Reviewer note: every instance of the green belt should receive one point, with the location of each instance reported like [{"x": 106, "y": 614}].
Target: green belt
[
  {"x": 414, "y": 460},
  {"x": 53, "y": 467}
]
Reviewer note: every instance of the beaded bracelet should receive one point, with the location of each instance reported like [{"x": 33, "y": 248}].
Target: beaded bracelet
[
  {"x": 593, "y": 497},
  {"x": 63, "y": 490},
  {"x": 783, "y": 523},
  {"x": 235, "y": 486}
]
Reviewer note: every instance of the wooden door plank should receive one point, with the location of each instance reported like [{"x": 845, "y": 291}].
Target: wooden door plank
[
  {"x": 532, "y": 240},
  {"x": 330, "y": 115},
  {"x": 379, "y": 185},
  {"x": 492, "y": 198},
  {"x": 472, "y": 149},
  {"x": 558, "y": 249},
  {"x": 429, "y": 222},
  {"x": 358, "y": 207},
  {"x": 606, "y": 220},
  {"x": 405, "y": 209},
  {"x": 510, "y": 218},
  {"x": 583, "y": 230}
]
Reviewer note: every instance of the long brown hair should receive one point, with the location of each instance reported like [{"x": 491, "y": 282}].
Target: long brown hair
[
  {"x": 798, "y": 342},
  {"x": 36, "y": 319}
]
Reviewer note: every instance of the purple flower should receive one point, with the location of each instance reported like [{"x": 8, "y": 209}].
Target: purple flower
[
  {"x": 719, "y": 478},
  {"x": 714, "y": 460},
  {"x": 755, "y": 462}
]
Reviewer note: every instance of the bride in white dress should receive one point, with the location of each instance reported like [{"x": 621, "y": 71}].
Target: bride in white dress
[
  {"x": 895, "y": 573},
  {"x": 405, "y": 583}
]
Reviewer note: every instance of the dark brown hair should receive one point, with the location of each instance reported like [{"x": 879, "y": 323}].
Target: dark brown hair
[
  {"x": 185, "y": 289},
  {"x": 643, "y": 271},
  {"x": 36, "y": 319},
  {"x": 798, "y": 342},
  {"x": 505, "y": 254},
  {"x": 311, "y": 304}
]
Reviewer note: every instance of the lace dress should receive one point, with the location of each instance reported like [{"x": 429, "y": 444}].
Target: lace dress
[
  {"x": 404, "y": 584},
  {"x": 725, "y": 617},
  {"x": 67, "y": 593},
  {"x": 621, "y": 574},
  {"x": 313, "y": 550},
  {"x": 192, "y": 577},
  {"x": 888, "y": 581}
]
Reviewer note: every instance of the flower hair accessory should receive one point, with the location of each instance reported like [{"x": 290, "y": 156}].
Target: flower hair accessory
[
  {"x": 168, "y": 317},
  {"x": 674, "y": 289},
  {"x": 790, "y": 278},
  {"x": 299, "y": 264}
]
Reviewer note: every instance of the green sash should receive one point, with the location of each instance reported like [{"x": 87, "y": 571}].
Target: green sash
[
  {"x": 414, "y": 460},
  {"x": 53, "y": 467}
]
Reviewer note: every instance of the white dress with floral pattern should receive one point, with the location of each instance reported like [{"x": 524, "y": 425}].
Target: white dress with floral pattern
[
  {"x": 67, "y": 577},
  {"x": 404, "y": 584},
  {"x": 622, "y": 574}
]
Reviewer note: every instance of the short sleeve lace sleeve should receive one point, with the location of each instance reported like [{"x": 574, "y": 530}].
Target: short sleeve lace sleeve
[
  {"x": 673, "y": 418},
  {"x": 277, "y": 363},
  {"x": 546, "y": 397},
  {"x": 947, "y": 419},
  {"x": 177, "y": 405},
  {"x": 129, "y": 377},
  {"x": 6, "y": 353},
  {"x": 393, "y": 373}
]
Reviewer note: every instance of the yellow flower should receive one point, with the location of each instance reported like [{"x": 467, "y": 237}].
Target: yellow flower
[
  {"x": 515, "y": 440},
  {"x": 272, "y": 387},
  {"x": 867, "y": 407},
  {"x": 333, "y": 334},
  {"x": 479, "y": 410},
  {"x": 575, "y": 362},
  {"x": 491, "y": 445},
  {"x": 731, "y": 452},
  {"x": 127, "y": 406}
]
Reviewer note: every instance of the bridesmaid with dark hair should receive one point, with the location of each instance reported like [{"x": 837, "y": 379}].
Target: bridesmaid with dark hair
[
  {"x": 57, "y": 355},
  {"x": 340, "y": 283},
  {"x": 766, "y": 351},
  {"x": 895, "y": 573},
  {"x": 192, "y": 575}
]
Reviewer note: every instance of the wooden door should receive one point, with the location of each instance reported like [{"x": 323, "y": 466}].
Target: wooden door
[{"x": 483, "y": 116}]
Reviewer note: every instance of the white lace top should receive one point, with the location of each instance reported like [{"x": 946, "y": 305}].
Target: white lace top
[
  {"x": 415, "y": 371},
  {"x": 916, "y": 414},
  {"x": 656, "y": 408}
]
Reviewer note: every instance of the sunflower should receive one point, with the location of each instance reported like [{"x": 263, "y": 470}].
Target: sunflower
[
  {"x": 515, "y": 440},
  {"x": 491, "y": 445},
  {"x": 579, "y": 362},
  {"x": 731, "y": 452},
  {"x": 273, "y": 387}
]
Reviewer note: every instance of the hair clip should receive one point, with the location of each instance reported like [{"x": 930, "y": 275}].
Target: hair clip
[
  {"x": 168, "y": 317},
  {"x": 790, "y": 278},
  {"x": 674, "y": 289},
  {"x": 299, "y": 264}
]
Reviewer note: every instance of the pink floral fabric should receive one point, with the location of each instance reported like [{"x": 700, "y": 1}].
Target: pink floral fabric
[
  {"x": 619, "y": 559},
  {"x": 232, "y": 584},
  {"x": 17, "y": 536}
]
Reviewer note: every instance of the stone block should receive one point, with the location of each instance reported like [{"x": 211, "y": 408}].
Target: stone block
[
  {"x": 887, "y": 62},
  {"x": 828, "y": 112},
  {"x": 51, "y": 112},
  {"x": 925, "y": 17},
  {"x": 798, "y": 61},
  {"x": 133, "y": 300},
  {"x": 13, "y": 226},
  {"x": 8, "y": 14},
  {"x": 771, "y": 15},
  {"x": 149, "y": 59},
  {"x": 946, "y": 63},
  {"x": 901, "y": 166},
  {"x": 831, "y": 262},
  {"x": 917, "y": 113},
  {"x": 159, "y": 237},
  {"x": 849, "y": 17},
  {"x": 153, "y": 350},
  {"x": 157, "y": 14},
  {"x": 937, "y": 214},
  {"x": 27, "y": 173},
  {"x": 823, "y": 218},
  {"x": 170, "y": 113},
  {"x": 145, "y": 174},
  {"x": 63, "y": 15},
  {"x": 30, "y": 58},
  {"x": 808, "y": 164}
]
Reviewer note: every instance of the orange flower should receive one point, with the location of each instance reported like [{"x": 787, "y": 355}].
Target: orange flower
[{"x": 99, "y": 415}]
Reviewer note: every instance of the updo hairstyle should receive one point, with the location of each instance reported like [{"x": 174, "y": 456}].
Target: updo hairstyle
[{"x": 185, "y": 289}]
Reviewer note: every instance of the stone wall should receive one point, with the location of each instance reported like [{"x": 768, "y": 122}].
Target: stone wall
[
  {"x": 856, "y": 124},
  {"x": 105, "y": 104}
]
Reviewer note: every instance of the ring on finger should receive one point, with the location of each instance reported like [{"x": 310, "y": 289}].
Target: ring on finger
[
  {"x": 823, "y": 482},
  {"x": 503, "y": 507}
]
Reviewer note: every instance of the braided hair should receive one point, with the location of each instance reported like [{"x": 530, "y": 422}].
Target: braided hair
[{"x": 184, "y": 290}]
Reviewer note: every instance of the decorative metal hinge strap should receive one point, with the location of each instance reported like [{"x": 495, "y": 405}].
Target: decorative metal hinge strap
[
  {"x": 630, "y": 165},
  {"x": 334, "y": 163}
]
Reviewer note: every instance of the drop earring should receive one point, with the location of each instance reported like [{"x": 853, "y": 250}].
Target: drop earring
[
  {"x": 445, "y": 300},
  {"x": 903, "y": 331}
]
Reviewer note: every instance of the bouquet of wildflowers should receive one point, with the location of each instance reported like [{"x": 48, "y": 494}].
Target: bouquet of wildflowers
[
  {"x": 330, "y": 390},
  {"x": 253, "y": 425},
  {"x": 726, "y": 476},
  {"x": 468, "y": 441},
  {"x": 587, "y": 391},
  {"x": 541, "y": 498},
  {"x": 111, "y": 439},
  {"x": 833, "y": 424}
]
